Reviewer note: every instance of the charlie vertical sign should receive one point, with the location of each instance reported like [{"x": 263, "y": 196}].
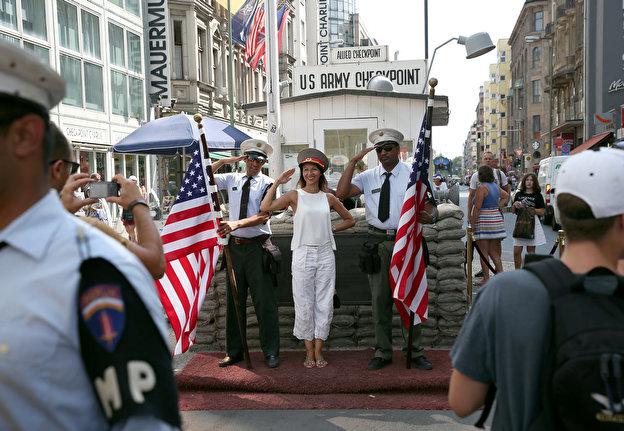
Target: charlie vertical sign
[
  {"x": 157, "y": 51},
  {"x": 323, "y": 32}
]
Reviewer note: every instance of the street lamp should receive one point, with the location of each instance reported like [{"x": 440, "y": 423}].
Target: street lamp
[
  {"x": 476, "y": 45},
  {"x": 380, "y": 83}
]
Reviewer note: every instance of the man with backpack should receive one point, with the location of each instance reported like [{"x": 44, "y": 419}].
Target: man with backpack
[{"x": 549, "y": 339}]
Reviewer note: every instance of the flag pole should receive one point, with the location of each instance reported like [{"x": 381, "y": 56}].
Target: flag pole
[
  {"x": 230, "y": 76},
  {"x": 429, "y": 118},
  {"x": 226, "y": 249},
  {"x": 273, "y": 88}
]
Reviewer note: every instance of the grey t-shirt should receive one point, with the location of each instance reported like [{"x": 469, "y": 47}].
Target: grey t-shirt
[{"x": 504, "y": 340}]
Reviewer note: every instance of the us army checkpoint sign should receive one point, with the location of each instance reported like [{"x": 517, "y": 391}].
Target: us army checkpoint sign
[{"x": 407, "y": 76}]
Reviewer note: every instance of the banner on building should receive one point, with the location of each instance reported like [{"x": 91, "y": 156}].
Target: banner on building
[
  {"x": 604, "y": 63},
  {"x": 407, "y": 76},
  {"x": 359, "y": 54},
  {"x": 157, "y": 48}
]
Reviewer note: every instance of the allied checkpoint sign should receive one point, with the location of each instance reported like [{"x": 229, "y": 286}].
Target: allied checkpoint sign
[
  {"x": 407, "y": 76},
  {"x": 359, "y": 54}
]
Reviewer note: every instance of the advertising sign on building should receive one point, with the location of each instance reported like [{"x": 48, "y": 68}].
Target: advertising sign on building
[
  {"x": 157, "y": 52},
  {"x": 407, "y": 76},
  {"x": 604, "y": 61},
  {"x": 359, "y": 54},
  {"x": 323, "y": 32}
]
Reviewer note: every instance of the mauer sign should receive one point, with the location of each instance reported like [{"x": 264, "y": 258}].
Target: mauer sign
[
  {"x": 157, "y": 51},
  {"x": 359, "y": 54},
  {"x": 407, "y": 76}
]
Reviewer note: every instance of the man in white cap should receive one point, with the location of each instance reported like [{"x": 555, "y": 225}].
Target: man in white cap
[
  {"x": 82, "y": 333},
  {"x": 506, "y": 338},
  {"x": 250, "y": 236},
  {"x": 439, "y": 185},
  {"x": 384, "y": 188}
]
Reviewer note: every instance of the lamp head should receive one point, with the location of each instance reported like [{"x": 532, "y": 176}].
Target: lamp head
[
  {"x": 380, "y": 83},
  {"x": 477, "y": 44}
]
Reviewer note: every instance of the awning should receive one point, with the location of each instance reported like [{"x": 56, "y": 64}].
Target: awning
[{"x": 598, "y": 139}]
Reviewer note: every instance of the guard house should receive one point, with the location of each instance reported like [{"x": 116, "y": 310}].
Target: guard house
[{"x": 338, "y": 123}]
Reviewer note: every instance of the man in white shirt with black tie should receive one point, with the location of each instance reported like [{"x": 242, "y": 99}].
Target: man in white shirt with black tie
[
  {"x": 384, "y": 188},
  {"x": 249, "y": 229}
]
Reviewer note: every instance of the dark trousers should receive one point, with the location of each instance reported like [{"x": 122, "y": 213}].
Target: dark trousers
[
  {"x": 382, "y": 305},
  {"x": 251, "y": 277}
]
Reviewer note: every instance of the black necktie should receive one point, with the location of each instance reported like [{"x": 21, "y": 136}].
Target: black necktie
[
  {"x": 384, "y": 199},
  {"x": 244, "y": 199}
]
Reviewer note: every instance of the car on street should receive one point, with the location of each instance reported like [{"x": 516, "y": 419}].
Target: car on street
[{"x": 547, "y": 178}]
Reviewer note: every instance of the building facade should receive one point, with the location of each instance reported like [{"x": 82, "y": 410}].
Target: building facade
[
  {"x": 495, "y": 90},
  {"x": 97, "y": 47},
  {"x": 528, "y": 103}
]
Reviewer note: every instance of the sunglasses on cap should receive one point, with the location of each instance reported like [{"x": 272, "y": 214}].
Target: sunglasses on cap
[
  {"x": 74, "y": 166},
  {"x": 386, "y": 147}
]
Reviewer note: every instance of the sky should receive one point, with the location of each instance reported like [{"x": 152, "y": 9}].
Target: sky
[{"x": 401, "y": 26}]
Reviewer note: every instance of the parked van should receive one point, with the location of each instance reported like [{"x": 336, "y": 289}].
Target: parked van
[{"x": 546, "y": 178}]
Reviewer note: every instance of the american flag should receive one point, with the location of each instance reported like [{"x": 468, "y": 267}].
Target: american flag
[
  {"x": 255, "y": 47},
  {"x": 254, "y": 36},
  {"x": 191, "y": 247},
  {"x": 408, "y": 277}
]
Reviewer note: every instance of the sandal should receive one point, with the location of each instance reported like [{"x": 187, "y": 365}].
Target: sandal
[
  {"x": 309, "y": 362},
  {"x": 320, "y": 363}
]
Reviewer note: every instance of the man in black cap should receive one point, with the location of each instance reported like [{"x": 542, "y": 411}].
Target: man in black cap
[
  {"x": 250, "y": 231},
  {"x": 384, "y": 188}
]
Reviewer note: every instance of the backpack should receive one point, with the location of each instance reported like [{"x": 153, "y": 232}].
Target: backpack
[{"x": 583, "y": 382}]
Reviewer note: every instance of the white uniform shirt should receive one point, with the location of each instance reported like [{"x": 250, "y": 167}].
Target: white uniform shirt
[
  {"x": 43, "y": 382},
  {"x": 370, "y": 181},
  {"x": 233, "y": 184},
  {"x": 474, "y": 180},
  {"x": 441, "y": 188}
]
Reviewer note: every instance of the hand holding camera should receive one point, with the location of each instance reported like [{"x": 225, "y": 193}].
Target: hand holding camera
[
  {"x": 69, "y": 199},
  {"x": 128, "y": 191}
]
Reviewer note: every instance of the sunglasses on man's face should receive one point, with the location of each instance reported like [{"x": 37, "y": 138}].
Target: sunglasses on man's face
[
  {"x": 74, "y": 166},
  {"x": 259, "y": 159},
  {"x": 387, "y": 148}
]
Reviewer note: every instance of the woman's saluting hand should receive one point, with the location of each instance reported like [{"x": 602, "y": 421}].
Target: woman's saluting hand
[{"x": 285, "y": 176}]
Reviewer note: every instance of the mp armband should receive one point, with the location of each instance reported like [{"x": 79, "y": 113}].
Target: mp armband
[{"x": 124, "y": 354}]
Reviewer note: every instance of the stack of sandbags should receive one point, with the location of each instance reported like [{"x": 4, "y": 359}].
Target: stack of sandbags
[{"x": 450, "y": 279}]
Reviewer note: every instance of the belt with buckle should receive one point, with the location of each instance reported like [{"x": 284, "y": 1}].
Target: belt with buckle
[
  {"x": 246, "y": 241},
  {"x": 389, "y": 233}
]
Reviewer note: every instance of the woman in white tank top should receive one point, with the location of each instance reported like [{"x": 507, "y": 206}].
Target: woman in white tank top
[{"x": 313, "y": 262}]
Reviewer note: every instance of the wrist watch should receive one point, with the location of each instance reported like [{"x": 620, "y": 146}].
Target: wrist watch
[{"x": 136, "y": 202}]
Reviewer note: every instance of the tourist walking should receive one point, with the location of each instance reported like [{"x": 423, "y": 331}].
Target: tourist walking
[{"x": 528, "y": 198}]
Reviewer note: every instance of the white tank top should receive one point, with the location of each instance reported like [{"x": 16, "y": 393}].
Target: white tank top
[{"x": 312, "y": 222}]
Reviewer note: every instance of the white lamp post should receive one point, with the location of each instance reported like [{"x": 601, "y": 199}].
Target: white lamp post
[{"x": 476, "y": 45}]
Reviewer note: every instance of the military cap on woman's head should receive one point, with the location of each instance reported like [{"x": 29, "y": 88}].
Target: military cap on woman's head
[{"x": 312, "y": 155}]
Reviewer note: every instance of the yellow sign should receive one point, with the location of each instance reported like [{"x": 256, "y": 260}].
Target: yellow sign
[{"x": 234, "y": 4}]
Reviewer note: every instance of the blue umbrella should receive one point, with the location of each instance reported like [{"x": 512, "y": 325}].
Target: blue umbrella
[{"x": 170, "y": 135}]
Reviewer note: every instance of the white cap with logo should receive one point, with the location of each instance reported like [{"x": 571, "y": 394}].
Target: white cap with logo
[
  {"x": 23, "y": 75},
  {"x": 596, "y": 177}
]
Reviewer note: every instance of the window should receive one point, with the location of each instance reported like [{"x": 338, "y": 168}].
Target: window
[
  {"x": 94, "y": 88},
  {"x": 538, "y": 21},
  {"x": 536, "y": 125},
  {"x": 90, "y": 35},
  {"x": 119, "y": 93},
  {"x": 502, "y": 77},
  {"x": 503, "y": 133},
  {"x": 33, "y": 18},
  {"x": 503, "y": 115},
  {"x": 8, "y": 16},
  {"x": 178, "y": 69},
  {"x": 536, "y": 91},
  {"x": 536, "y": 55},
  {"x": 134, "y": 52},
  {"x": 70, "y": 72},
  {"x": 502, "y": 57},
  {"x": 41, "y": 52},
  {"x": 68, "y": 25},
  {"x": 201, "y": 55},
  {"x": 132, "y": 6},
  {"x": 136, "y": 98},
  {"x": 116, "y": 45},
  {"x": 493, "y": 140},
  {"x": 502, "y": 96}
]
